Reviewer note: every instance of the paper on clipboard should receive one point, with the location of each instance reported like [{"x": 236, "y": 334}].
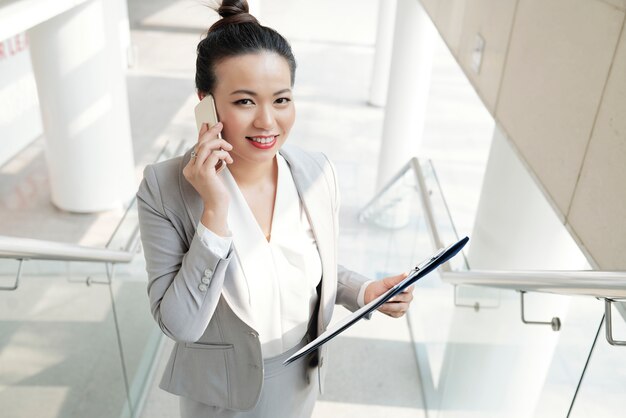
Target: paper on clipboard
[{"x": 421, "y": 270}]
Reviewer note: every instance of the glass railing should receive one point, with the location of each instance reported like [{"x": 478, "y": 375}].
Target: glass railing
[
  {"x": 76, "y": 338},
  {"x": 475, "y": 355},
  {"x": 138, "y": 337}
]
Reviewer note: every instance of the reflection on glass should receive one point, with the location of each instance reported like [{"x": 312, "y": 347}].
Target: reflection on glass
[
  {"x": 58, "y": 356},
  {"x": 77, "y": 339},
  {"x": 485, "y": 362},
  {"x": 391, "y": 230},
  {"x": 601, "y": 392},
  {"x": 138, "y": 334}
]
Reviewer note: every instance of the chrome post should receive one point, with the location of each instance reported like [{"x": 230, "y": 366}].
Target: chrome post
[
  {"x": 555, "y": 323},
  {"x": 609, "y": 323}
]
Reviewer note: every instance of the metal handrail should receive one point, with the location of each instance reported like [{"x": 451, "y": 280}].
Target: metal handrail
[
  {"x": 34, "y": 249},
  {"x": 599, "y": 284},
  {"x": 607, "y": 285}
]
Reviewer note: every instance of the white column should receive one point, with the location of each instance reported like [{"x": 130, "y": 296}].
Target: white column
[
  {"x": 82, "y": 93},
  {"x": 118, "y": 10},
  {"x": 409, "y": 82},
  {"x": 382, "y": 55}
]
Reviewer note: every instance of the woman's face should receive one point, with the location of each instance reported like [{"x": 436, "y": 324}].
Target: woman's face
[{"x": 254, "y": 102}]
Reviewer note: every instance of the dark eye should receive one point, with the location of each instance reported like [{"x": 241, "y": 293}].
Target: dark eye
[
  {"x": 244, "y": 102},
  {"x": 283, "y": 100}
]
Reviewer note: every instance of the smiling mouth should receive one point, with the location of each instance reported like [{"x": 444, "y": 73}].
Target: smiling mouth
[{"x": 263, "y": 139}]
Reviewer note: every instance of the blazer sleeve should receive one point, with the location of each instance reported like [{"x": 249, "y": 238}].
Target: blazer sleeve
[
  {"x": 348, "y": 282},
  {"x": 184, "y": 281}
]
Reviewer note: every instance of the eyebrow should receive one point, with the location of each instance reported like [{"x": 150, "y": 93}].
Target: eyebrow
[{"x": 251, "y": 93}]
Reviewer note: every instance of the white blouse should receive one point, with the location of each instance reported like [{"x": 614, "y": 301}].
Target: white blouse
[{"x": 281, "y": 275}]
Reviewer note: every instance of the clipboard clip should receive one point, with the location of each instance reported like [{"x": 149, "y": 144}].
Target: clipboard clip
[{"x": 428, "y": 260}]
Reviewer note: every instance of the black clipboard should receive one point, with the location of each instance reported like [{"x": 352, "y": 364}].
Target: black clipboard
[{"x": 421, "y": 270}]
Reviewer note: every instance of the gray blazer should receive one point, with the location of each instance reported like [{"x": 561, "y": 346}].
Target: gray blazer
[{"x": 217, "y": 358}]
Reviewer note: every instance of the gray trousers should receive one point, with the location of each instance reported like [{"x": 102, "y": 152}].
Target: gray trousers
[{"x": 288, "y": 391}]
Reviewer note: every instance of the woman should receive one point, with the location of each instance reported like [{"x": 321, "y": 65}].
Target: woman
[{"x": 242, "y": 262}]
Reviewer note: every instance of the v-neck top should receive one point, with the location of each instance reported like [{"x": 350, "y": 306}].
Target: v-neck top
[{"x": 281, "y": 275}]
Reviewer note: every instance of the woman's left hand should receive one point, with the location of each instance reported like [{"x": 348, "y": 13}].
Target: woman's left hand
[{"x": 397, "y": 305}]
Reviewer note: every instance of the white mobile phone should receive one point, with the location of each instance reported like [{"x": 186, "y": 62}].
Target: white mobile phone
[{"x": 207, "y": 113}]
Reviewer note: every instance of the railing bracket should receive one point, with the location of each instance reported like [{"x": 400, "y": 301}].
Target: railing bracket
[
  {"x": 555, "y": 323},
  {"x": 17, "y": 277},
  {"x": 90, "y": 280},
  {"x": 476, "y": 304},
  {"x": 609, "y": 323}
]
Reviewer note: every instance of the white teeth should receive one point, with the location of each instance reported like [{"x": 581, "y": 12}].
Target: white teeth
[{"x": 262, "y": 140}]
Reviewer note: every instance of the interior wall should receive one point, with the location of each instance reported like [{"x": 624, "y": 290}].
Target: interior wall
[{"x": 552, "y": 75}]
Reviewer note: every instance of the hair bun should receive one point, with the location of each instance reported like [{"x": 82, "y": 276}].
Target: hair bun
[
  {"x": 233, "y": 7},
  {"x": 233, "y": 12}
]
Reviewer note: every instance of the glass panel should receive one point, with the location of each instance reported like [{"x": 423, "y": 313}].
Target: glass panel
[
  {"x": 394, "y": 236},
  {"x": 601, "y": 393},
  {"x": 139, "y": 335},
  {"x": 489, "y": 364},
  {"x": 129, "y": 224},
  {"x": 443, "y": 219},
  {"x": 71, "y": 330},
  {"x": 464, "y": 296},
  {"x": 58, "y": 350},
  {"x": 126, "y": 229},
  {"x": 479, "y": 362}
]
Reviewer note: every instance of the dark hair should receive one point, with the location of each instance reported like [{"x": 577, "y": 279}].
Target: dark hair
[{"x": 237, "y": 33}]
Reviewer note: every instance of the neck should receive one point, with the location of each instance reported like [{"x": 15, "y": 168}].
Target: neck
[{"x": 250, "y": 174}]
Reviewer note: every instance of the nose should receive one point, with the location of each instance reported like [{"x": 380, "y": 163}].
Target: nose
[{"x": 265, "y": 118}]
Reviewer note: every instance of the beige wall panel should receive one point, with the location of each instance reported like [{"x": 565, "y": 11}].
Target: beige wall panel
[
  {"x": 493, "y": 20},
  {"x": 557, "y": 65},
  {"x": 620, "y": 4},
  {"x": 449, "y": 22},
  {"x": 598, "y": 213},
  {"x": 430, "y": 6}
]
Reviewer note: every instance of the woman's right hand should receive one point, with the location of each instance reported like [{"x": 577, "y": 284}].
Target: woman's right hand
[{"x": 201, "y": 173}]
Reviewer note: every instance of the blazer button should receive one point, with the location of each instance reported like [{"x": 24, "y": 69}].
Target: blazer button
[
  {"x": 205, "y": 280},
  {"x": 203, "y": 287},
  {"x": 208, "y": 272}
]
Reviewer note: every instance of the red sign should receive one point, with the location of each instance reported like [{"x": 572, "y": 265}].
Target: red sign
[{"x": 13, "y": 46}]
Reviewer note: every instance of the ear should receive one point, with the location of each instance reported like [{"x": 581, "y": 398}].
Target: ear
[{"x": 201, "y": 95}]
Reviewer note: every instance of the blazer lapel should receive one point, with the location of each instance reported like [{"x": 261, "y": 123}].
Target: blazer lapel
[
  {"x": 313, "y": 189},
  {"x": 314, "y": 193}
]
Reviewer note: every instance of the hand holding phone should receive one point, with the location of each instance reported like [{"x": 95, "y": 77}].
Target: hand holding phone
[
  {"x": 206, "y": 112},
  {"x": 209, "y": 155}
]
